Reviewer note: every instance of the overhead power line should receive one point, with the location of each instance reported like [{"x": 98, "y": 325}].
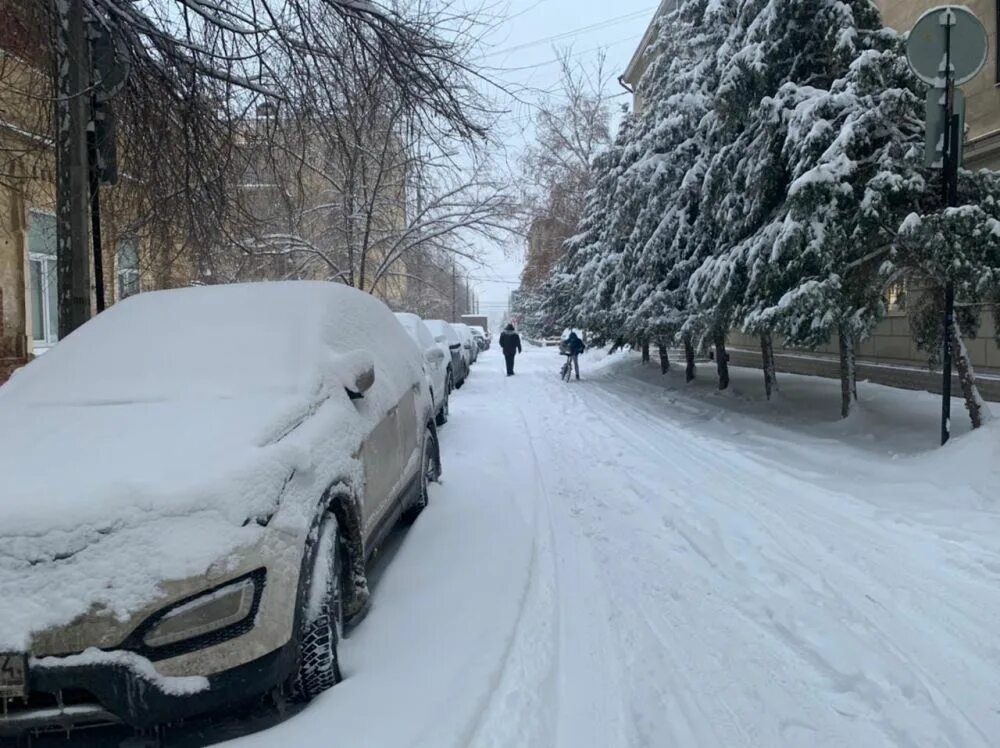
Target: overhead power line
[
  {"x": 574, "y": 32},
  {"x": 554, "y": 60}
]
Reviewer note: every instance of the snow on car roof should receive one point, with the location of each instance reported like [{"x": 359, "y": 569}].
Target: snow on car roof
[
  {"x": 416, "y": 328},
  {"x": 211, "y": 341},
  {"x": 147, "y": 438},
  {"x": 440, "y": 327}
]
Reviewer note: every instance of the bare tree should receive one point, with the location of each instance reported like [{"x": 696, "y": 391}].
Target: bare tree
[
  {"x": 257, "y": 46},
  {"x": 571, "y": 126},
  {"x": 363, "y": 189}
]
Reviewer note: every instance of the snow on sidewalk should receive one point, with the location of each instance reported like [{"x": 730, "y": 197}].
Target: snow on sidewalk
[{"x": 632, "y": 561}]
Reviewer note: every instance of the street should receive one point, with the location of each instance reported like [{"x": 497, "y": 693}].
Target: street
[
  {"x": 617, "y": 563},
  {"x": 267, "y": 478}
]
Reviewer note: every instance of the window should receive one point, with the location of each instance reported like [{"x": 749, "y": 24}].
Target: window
[
  {"x": 128, "y": 268},
  {"x": 44, "y": 289},
  {"x": 895, "y": 298}
]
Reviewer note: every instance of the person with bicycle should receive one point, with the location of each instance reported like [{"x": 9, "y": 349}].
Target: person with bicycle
[{"x": 572, "y": 347}]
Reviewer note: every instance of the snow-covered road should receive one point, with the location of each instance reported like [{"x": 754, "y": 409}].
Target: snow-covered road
[{"x": 624, "y": 561}]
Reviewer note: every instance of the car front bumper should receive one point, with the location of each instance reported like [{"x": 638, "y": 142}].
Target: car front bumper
[
  {"x": 77, "y": 696},
  {"x": 68, "y": 690}
]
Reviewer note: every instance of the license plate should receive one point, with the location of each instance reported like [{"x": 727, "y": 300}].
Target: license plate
[{"x": 13, "y": 676}]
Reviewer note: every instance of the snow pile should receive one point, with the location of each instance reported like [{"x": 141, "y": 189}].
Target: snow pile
[{"x": 147, "y": 440}]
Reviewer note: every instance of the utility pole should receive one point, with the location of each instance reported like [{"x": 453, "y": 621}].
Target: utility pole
[
  {"x": 454, "y": 293},
  {"x": 72, "y": 75},
  {"x": 95, "y": 219}
]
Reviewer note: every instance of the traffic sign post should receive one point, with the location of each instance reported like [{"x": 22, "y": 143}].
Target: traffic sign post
[
  {"x": 946, "y": 48},
  {"x": 937, "y": 130}
]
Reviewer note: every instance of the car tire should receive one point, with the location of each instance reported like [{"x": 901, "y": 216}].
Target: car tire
[
  {"x": 442, "y": 416},
  {"x": 430, "y": 471},
  {"x": 320, "y": 617}
]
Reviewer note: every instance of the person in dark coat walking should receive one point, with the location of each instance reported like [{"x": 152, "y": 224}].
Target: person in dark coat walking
[
  {"x": 574, "y": 347},
  {"x": 510, "y": 343}
]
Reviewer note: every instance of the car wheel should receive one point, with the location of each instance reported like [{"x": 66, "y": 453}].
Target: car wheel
[
  {"x": 430, "y": 471},
  {"x": 321, "y": 617},
  {"x": 442, "y": 416}
]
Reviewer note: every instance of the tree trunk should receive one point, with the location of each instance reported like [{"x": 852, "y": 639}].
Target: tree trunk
[
  {"x": 664, "y": 359},
  {"x": 722, "y": 360},
  {"x": 848, "y": 373},
  {"x": 767, "y": 354},
  {"x": 978, "y": 412},
  {"x": 645, "y": 351},
  {"x": 688, "y": 359}
]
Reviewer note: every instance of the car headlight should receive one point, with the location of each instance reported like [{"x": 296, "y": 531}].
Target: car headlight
[{"x": 204, "y": 619}]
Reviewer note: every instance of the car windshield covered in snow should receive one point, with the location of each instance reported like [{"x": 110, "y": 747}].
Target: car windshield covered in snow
[{"x": 213, "y": 342}]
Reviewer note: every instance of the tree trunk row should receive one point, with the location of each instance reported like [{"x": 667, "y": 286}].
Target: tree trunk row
[
  {"x": 767, "y": 356},
  {"x": 688, "y": 359},
  {"x": 978, "y": 411},
  {"x": 848, "y": 372},
  {"x": 722, "y": 360}
]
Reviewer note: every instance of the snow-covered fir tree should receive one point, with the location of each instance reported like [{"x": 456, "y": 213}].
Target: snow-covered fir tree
[{"x": 763, "y": 185}]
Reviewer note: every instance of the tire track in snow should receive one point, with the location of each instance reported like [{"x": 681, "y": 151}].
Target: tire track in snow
[
  {"x": 545, "y": 697},
  {"x": 752, "y": 497},
  {"x": 518, "y": 712},
  {"x": 671, "y": 716}
]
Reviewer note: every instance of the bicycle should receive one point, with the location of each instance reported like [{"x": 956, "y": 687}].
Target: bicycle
[{"x": 566, "y": 372}]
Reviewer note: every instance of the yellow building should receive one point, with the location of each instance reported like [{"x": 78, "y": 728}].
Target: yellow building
[
  {"x": 28, "y": 298},
  {"x": 640, "y": 58}
]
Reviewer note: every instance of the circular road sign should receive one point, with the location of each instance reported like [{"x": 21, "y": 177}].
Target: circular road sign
[{"x": 927, "y": 43}]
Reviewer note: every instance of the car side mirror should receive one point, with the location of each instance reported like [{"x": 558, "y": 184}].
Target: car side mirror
[
  {"x": 363, "y": 378},
  {"x": 435, "y": 354}
]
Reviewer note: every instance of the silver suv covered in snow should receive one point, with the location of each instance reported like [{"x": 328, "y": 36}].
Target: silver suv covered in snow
[{"x": 195, "y": 483}]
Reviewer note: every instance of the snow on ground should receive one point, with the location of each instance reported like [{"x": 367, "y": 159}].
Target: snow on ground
[{"x": 632, "y": 561}]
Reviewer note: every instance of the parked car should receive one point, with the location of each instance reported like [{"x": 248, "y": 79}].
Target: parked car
[
  {"x": 469, "y": 348},
  {"x": 481, "y": 337},
  {"x": 445, "y": 334},
  {"x": 437, "y": 359},
  {"x": 228, "y": 459}
]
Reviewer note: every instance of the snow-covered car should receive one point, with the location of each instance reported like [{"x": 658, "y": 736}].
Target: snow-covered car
[
  {"x": 195, "y": 484},
  {"x": 437, "y": 359},
  {"x": 470, "y": 350},
  {"x": 445, "y": 334},
  {"x": 482, "y": 339}
]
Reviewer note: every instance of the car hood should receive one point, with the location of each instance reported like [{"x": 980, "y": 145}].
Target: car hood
[{"x": 102, "y": 503}]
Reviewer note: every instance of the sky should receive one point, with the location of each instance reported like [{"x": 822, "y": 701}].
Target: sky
[{"x": 522, "y": 51}]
